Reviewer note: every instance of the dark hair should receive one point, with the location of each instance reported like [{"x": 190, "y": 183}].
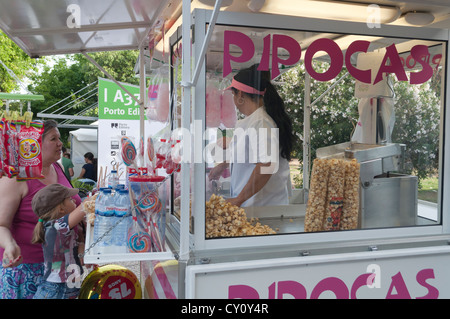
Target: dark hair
[
  {"x": 90, "y": 157},
  {"x": 48, "y": 125},
  {"x": 273, "y": 104}
]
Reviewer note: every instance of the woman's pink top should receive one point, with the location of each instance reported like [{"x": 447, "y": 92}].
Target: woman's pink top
[{"x": 25, "y": 220}]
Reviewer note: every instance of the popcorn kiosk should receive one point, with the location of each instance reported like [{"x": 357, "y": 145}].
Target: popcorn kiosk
[
  {"x": 356, "y": 229},
  {"x": 367, "y": 217}
]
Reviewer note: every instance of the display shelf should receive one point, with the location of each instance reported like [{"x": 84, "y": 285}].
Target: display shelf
[{"x": 95, "y": 258}]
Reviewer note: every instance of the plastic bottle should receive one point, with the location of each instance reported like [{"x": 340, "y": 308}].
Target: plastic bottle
[
  {"x": 113, "y": 179},
  {"x": 99, "y": 211},
  {"x": 122, "y": 208},
  {"x": 103, "y": 221}
]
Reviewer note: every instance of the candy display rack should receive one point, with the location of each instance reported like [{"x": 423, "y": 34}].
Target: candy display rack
[
  {"x": 153, "y": 228},
  {"x": 91, "y": 258}
]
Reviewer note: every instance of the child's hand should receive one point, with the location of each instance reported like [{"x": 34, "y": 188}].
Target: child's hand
[{"x": 81, "y": 252}]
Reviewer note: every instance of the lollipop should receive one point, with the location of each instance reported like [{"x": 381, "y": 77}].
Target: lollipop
[
  {"x": 139, "y": 242},
  {"x": 150, "y": 202},
  {"x": 150, "y": 149},
  {"x": 128, "y": 151}
]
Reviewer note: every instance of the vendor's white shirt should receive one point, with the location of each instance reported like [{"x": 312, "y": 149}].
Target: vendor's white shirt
[{"x": 256, "y": 141}]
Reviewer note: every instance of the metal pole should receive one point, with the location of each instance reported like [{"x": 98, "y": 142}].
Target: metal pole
[
  {"x": 212, "y": 23},
  {"x": 142, "y": 91},
  {"x": 306, "y": 133},
  {"x": 185, "y": 124}
]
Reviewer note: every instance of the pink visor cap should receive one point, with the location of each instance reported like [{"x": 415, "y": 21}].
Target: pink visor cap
[{"x": 244, "y": 88}]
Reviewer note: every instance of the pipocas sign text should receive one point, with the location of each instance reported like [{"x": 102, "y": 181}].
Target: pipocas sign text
[{"x": 391, "y": 63}]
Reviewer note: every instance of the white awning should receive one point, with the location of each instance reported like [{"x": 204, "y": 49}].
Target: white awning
[{"x": 49, "y": 27}]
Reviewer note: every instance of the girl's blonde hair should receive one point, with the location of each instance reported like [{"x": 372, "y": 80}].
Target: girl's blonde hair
[{"x": 39, "y": 229}]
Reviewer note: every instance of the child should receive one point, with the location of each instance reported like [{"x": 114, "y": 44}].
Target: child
[{"x": 58, "y": 214}]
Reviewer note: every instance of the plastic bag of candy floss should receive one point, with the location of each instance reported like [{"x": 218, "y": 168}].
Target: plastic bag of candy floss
[
  {"x": 213, "y": 101},
  {"x": 2, "y": 146},
  {"x": 29, "y": 142},
  {"x": 158, "y": 104},
  {"x": 228, "y": 114}
]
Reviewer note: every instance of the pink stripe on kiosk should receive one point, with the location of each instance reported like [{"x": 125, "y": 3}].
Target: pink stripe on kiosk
[{"x": 244, "y": 88}]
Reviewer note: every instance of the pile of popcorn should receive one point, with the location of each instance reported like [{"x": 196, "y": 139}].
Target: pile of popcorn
[{"x": 226, "y": 220}]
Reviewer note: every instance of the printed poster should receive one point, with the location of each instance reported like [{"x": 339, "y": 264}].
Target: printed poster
[{"x": 118, "y": 116}]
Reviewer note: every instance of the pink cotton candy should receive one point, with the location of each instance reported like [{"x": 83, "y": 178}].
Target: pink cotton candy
[
  {"x": 159, "y": 107},
  {"x": 228, "y": 110},
  {"x": 212, "y": 106}
]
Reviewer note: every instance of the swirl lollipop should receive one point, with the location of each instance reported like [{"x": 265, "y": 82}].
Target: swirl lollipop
[
  {"x": 128, "y": 151},
  {"x": 139, "y": 242},
  {"x": 150, "y": 202}
]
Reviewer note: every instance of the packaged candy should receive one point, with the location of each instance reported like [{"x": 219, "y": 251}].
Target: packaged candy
[
  {"x": 213, "y": 102},
  {"x": 158, "y": 105},
  {"x": 2, "y": 146},
  {"x": 28, "y": 143},
  {"x": 11, "y": 167}
]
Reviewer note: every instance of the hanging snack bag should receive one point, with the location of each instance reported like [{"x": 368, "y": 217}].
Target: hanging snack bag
[
  {"x": 158, "y": 105},
  {"x": 28, "y": 142},
  {"x": 213, "y": 101},
  {"x": 162, "y": 149},
  {"x": 2, "y": 146},
  {"x": 228, "y": 114},
  {"x": 11, "y": 168}
]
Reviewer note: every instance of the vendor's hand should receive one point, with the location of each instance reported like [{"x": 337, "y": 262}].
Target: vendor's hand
[
  {"x": 217, "y": 171},
  {"x": 11, "y": 256},
  {"x": 234, "y": 201}
]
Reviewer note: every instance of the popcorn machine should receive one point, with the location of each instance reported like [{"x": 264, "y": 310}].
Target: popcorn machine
[
  {"x": 243, "y": 264},
  {"x": 387, "y": 196},
  {"x": 405, "y": 254}
]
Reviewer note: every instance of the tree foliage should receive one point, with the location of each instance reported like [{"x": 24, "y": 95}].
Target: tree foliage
[
  {"x": 17, "y": 61},
  {"x": 68, "y": 77},
  {"x": 71, "y": 73}
]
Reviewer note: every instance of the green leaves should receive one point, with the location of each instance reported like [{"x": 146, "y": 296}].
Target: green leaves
[{"x": 17, "y": 61}]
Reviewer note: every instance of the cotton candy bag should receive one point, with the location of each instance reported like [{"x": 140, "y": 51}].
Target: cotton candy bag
[
  {"x": 212, "y": 104},
  {"x": 228, "y": 114},
  {"x": 2, "y": 147},
  {"x": 158, "y": 105}
]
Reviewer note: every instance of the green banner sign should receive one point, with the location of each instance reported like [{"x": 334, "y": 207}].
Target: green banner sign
[{"x": 115, "y": 103}]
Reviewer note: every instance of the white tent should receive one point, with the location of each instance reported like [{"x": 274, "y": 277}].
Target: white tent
[{"x": 83, "y": 140}]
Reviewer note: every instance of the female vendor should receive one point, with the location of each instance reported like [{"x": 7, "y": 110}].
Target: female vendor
[{"x": 259, "y": 182}]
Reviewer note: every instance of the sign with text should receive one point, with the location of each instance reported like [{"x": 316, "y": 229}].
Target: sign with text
[
  {"x": 417, "y": 273},
  {"x": 391, "y": 62},
  {"x": 114, "y": 103},
  {"x": 118, "y": 116}
]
